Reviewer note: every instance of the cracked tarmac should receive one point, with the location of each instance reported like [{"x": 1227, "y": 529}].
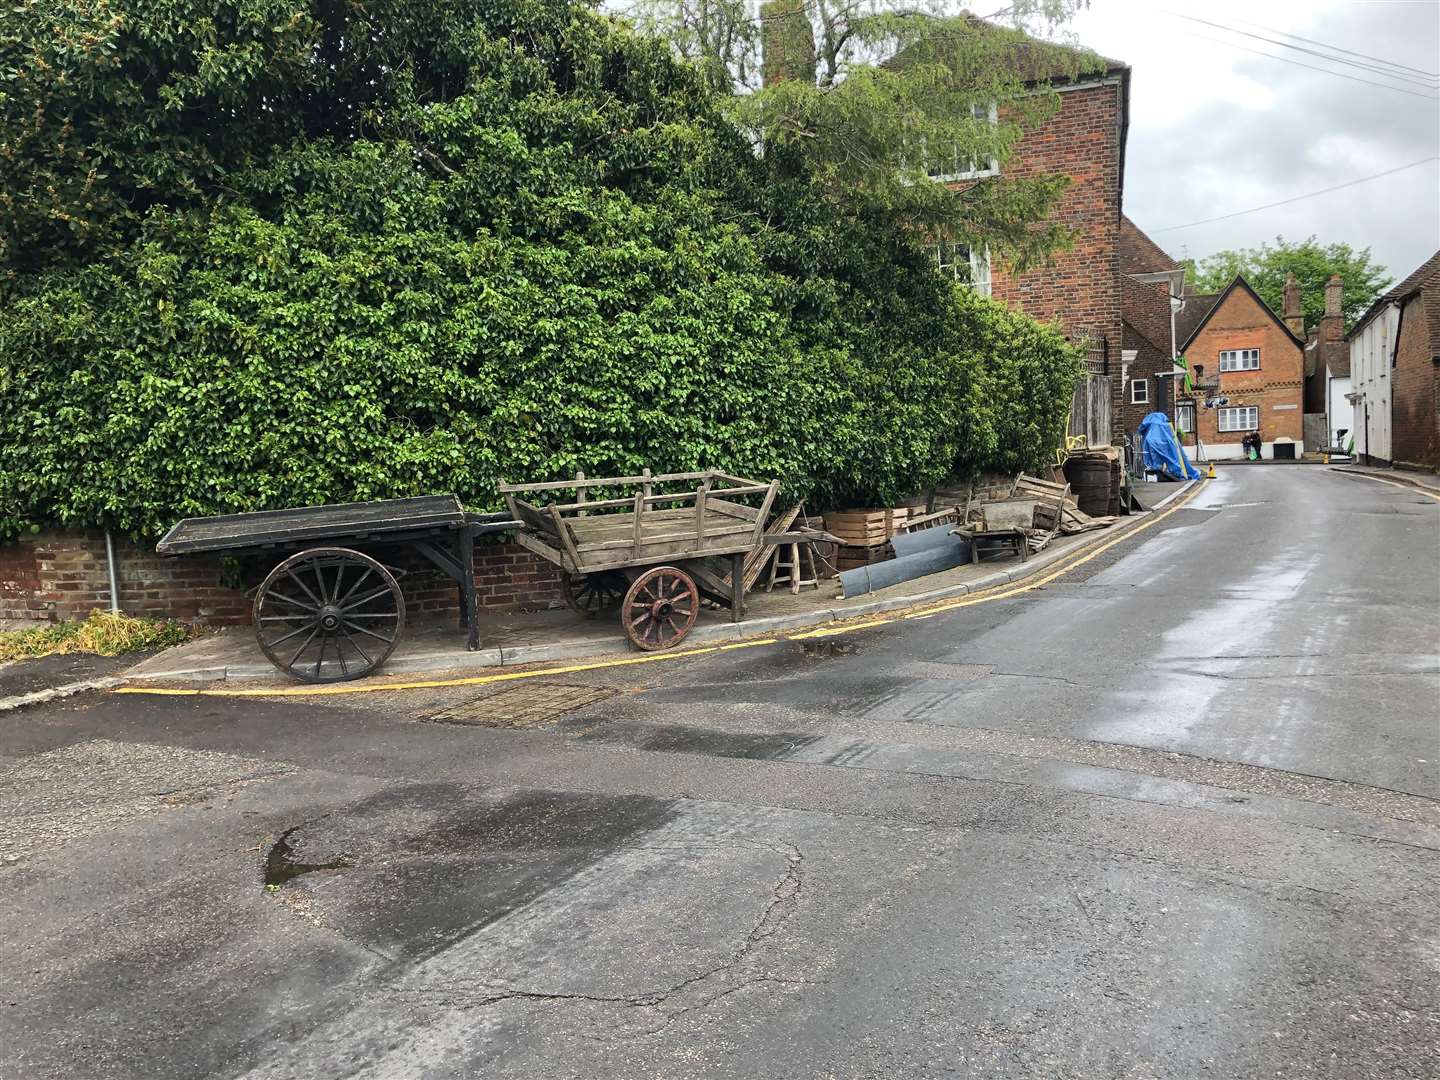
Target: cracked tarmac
[{"x": 1176, "y": 816}]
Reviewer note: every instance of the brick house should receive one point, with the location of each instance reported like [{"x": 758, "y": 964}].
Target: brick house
[
  {"x": 1395, "y": 373},
  {"x": 1239, "y": 349},
  {"x": 1080, "y": 288},
  {"x": 1151, "y": 285}
]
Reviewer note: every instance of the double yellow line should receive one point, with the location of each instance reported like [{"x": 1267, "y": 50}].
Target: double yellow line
[{"x": 927, "y": 611}]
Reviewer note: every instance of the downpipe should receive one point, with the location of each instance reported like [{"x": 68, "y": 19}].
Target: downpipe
[{"x": 114, "y": 577}]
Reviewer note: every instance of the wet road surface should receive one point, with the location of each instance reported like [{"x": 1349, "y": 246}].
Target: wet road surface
[{"x": 1173, "y": 815}]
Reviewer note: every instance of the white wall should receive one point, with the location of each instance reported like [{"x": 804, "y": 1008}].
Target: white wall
[
  {"x": 1370, "y": 379},
  {"x": 1338, "y": 410}
]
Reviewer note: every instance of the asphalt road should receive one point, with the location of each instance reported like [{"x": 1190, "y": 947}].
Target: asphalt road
[{"x": 1173, "y": 815}]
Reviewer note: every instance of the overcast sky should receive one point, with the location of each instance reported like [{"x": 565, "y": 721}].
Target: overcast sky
[{"x": 1215, "y": 129}]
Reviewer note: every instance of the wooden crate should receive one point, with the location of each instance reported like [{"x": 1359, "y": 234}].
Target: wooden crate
[
  {"x": 867, "y": 528},
  {"x": 851, "y": 556}
]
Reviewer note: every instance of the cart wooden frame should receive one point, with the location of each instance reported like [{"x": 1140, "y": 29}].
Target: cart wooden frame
[{"x": 663, "y": 550}]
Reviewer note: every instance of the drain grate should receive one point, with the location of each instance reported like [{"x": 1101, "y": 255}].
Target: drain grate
[{"x": 522, "y": 706}]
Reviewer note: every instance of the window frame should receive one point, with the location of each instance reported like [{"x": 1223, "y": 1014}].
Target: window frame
[
  {"x": 1144, "y": 385},
  {"x": 1244, "y": 428},
  {"x": 992, "y": 114},
  {"x": 979, "y": 259},
  {"x": 1241, "y": 356}
]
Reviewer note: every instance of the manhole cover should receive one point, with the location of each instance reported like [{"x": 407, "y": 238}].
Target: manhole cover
[{"x": 522, "y": 706}]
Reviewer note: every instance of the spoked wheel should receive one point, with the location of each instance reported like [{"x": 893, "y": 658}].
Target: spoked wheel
[
  {"x": 329, "y": 614},
  {"x": 590, "y": 594},
  {"x": 660, "y": 608}
]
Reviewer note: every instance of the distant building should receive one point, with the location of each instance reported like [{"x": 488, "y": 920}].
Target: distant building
[
  {"x": 1151, "y": 285},
  {"x": 1240, "y": 350},
  {"x": 1395, "y": 384},
  {"x": 1328, "y": 411}
]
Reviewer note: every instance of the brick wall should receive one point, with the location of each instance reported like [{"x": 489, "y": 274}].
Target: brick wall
[
  {"x": 1415, "y": 391},
  {"x": 1081, "y": 289},
  {"x": 1243, "y": 323},
  {"x": 1146, "y": 310},
  {"x": 63, "y": 575}
]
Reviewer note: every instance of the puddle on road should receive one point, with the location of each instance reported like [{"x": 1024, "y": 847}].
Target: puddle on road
[
  {"x": 709, "y": 742},
  {"x": 280, "y": 867},
  {"x": 825, "y": 649}
]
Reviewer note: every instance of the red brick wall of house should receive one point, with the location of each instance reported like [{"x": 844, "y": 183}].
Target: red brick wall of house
[
  {"x": 1146, "y": 310},
  {"x": 63, "y": 575},
  {"x": 1242, "y": 323},
  {"x": 1081, "y": 288},
  {"x": 1415, "y": 391}
]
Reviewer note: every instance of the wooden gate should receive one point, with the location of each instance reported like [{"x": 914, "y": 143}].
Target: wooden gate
[{"x": 1090, "y": 410}]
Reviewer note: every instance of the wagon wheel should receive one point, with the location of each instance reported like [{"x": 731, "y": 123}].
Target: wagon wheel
[
  {"x": 328, "y": 614},
  {"x": 590, "y": 594},
  {"x": 660, "y": 608}
]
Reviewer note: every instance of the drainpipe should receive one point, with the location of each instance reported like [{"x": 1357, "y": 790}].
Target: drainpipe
[{"x": 114, "y": 578}]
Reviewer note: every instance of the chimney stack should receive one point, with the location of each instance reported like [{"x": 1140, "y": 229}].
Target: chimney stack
[
  {"x": 1294, "y": 317},
  {"x": 1333, "y": 292},
  {"x": 787, "y": 42}
]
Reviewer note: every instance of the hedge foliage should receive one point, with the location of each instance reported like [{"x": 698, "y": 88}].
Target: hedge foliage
[{"x": 509, "y": 239}]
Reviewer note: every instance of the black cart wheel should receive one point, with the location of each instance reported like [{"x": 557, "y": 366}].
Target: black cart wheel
[
  {"x": 590, "y": 594},
  {"x": 329, "y": 614},
  {"x": 660, "y": 608}
]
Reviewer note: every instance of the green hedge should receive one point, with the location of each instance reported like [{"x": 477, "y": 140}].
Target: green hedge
[{"x": 563, "y": 258}]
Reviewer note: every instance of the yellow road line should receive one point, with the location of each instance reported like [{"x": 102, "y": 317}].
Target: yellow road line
[
  {"x": 1399, "y": 484},
  {"x": 333, "y": 689},
  {"x": 1065, "y": 568},
  {"x": 426, "y": 684}
]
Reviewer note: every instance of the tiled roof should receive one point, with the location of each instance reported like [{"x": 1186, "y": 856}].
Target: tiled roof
[
  {"x": 1203, "y": 309},
  {"x": 1188, "y": 318},
  {"x": 1139, "y": 254},
  {"x": 1426, "y": 280}
]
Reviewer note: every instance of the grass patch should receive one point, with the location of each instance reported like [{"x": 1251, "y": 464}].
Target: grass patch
[{"x": 104, "y": 632}]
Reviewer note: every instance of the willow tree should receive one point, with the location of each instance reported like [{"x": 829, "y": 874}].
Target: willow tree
[{"x": 879, "y": 97}]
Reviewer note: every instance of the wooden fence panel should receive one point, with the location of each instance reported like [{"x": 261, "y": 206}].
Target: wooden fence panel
[{"x": 1090, "y": 410}]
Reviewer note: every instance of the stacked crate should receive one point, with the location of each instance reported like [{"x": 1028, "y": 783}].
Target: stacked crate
[{"x": 866, "y": 534}]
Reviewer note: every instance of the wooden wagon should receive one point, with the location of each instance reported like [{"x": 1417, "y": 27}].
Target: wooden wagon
[
  {"x": 656, "y": 553},
  {"x": 328, "y": 610}
]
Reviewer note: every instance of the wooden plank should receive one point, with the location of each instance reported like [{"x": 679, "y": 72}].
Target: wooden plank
[
  {"x": 539, "y": 547},
  {"x": 756, "y": 560},
  {"x": 700, "y": 509},
  {"x": 301, "y": 523},
  {"x": 566, "y": 540},
  {"x": 639, "y": 521}
]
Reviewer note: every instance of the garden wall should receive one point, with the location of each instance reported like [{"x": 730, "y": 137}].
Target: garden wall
[{"x": 58, "y": 575}]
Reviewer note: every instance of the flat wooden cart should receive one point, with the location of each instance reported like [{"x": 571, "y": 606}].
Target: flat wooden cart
[
  {"x": 331, "y": 611},
  {"x": 654, "y": 554}
]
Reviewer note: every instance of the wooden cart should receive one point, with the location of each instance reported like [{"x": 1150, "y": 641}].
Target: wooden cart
[
  {"x": 655, "y": 553},
  {"x": 331, "y": 611}
]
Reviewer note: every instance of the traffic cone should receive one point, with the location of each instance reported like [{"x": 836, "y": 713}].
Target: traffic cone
[{"x": 1210, "y": 473}]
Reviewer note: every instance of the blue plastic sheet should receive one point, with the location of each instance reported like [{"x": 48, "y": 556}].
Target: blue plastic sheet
[{"x": 1159, "y": 450}]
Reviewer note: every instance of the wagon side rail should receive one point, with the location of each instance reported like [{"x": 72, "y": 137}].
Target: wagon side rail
[{"x": 556, "y": 525}]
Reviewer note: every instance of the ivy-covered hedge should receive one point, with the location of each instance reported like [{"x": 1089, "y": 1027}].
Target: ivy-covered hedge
[{"x": 548, "y": 253}]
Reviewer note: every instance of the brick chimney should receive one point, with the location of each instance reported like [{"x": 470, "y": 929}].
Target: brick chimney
[
  {"x": 1294, "y": 317},
  {"x": 1332, "y": 326},
  {"x": 787, "y": 42}
]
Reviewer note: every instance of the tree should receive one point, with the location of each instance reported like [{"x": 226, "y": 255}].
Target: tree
[
  {"x": 481, "y": 239},
  {"x": 1312, "y": 263},
  {"x": 877, "y": 97}
]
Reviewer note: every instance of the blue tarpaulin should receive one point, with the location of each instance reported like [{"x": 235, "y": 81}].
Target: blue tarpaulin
[{"x": 1159, "y": 450}]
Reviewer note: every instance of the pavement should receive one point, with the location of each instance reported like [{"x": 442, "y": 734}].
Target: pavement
[
  {"x": 232, "y": 655},
  {"x": 1173, "y": 813}
]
